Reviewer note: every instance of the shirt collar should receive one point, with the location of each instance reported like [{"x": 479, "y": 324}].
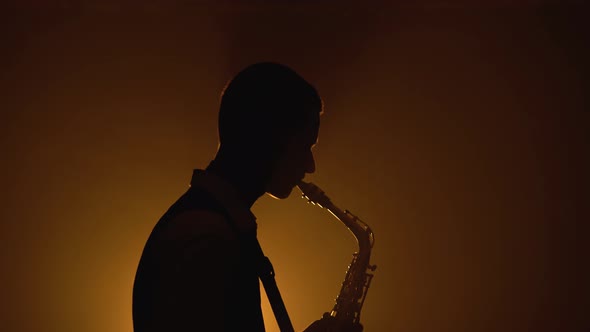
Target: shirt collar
[{"x": 228, "y": 196}]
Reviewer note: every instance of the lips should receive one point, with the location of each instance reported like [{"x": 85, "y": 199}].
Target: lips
[{"x": 301, "y": 179}]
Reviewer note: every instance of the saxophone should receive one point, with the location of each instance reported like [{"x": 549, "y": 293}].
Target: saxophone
[{"x": 346, "y": 313}]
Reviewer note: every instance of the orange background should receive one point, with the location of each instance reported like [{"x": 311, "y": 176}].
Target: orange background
[{"x": 458, "y": 132}]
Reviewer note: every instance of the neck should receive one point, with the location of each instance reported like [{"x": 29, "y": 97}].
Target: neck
[{"x": 247, "y": 179}]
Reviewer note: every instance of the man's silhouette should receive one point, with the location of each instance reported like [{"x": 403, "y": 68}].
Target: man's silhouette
[{"x": 197, "y": 271}]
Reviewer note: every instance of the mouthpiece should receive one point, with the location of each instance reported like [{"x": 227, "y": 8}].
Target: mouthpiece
[{"x": 313, "y": 194}]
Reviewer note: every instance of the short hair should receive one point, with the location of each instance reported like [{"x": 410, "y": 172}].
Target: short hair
[{"x": 266, "y": 101}]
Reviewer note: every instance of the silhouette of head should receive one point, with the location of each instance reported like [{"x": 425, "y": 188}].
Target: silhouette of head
[{"x": 269, "y": 121}]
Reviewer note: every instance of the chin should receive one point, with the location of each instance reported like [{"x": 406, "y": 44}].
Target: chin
[{"x": 281, "y": 193}]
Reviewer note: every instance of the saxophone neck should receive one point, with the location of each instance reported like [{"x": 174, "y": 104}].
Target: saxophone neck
[{"x": 361, "y": 231}]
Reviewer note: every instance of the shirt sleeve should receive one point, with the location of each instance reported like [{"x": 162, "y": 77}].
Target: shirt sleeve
[{"x": 200, "y": 260}]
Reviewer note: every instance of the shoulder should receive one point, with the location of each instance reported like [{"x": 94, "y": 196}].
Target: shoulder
[
  {"x": 194, "y": 235},
  {"x": 197, "y": 224}
]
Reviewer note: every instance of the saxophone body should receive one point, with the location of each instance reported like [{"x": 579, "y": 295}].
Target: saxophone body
[{"x": 346, "y": 313}]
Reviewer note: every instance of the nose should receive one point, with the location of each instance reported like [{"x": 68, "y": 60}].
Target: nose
[{"x": 310, "y": 163}]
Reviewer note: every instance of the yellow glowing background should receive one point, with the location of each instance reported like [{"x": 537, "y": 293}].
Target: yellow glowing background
[{"x": 458, "y": 132}]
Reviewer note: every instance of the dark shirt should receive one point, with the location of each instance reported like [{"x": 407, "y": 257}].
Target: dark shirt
[{"x": 196, "y": 272}]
